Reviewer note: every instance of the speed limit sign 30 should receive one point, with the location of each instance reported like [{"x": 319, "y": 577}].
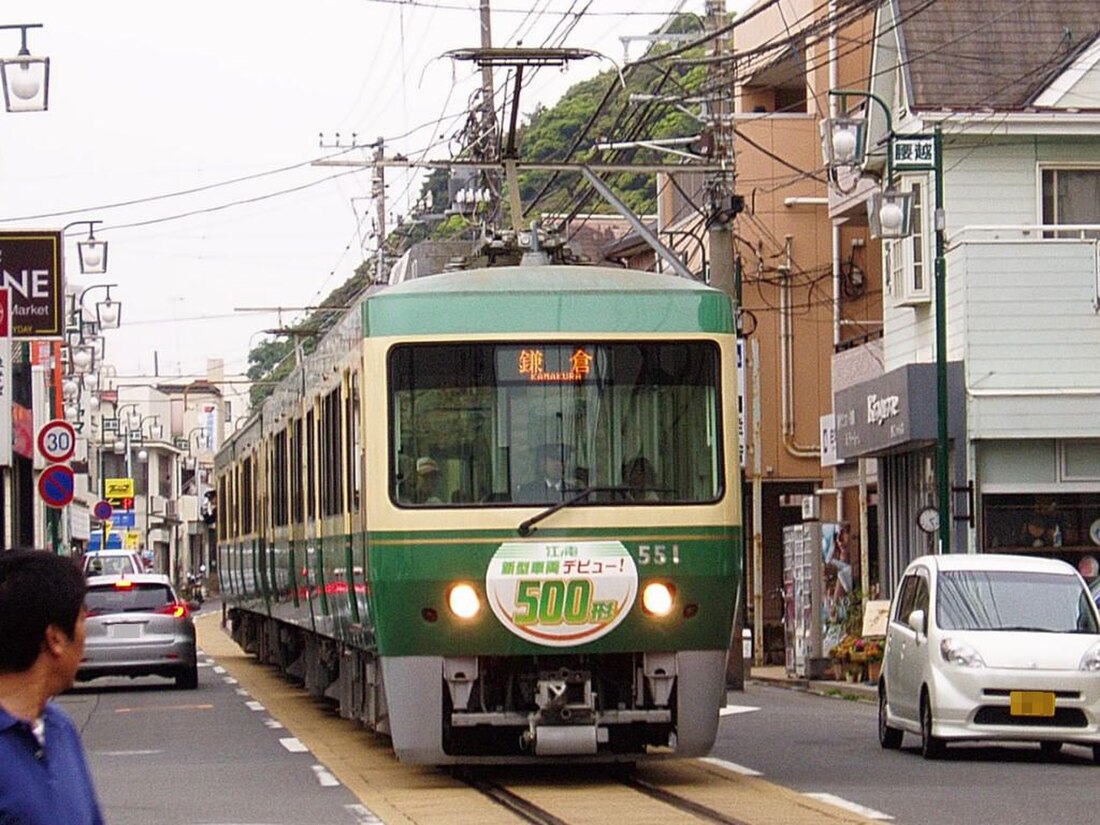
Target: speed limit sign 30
[{"x": 57, "y": 441}]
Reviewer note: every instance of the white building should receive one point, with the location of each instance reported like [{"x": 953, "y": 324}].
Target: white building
[{"x": 1018, "y": 99}]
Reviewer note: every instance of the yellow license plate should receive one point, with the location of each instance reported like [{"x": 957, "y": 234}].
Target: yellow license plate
[{"x": 1031, "y": 703}]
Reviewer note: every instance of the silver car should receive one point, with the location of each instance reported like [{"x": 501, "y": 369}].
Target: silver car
[{"x": 138, "y": 626}]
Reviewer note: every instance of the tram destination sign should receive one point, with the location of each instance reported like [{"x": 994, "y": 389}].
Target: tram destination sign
[{"x": 30, "y": 266}]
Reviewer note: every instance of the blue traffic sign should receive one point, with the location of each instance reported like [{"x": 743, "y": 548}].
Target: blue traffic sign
[
  {"x": 123, "y": 518},
  {"x": 95, "y": 541},
  {"x": 55, "y": 485}
]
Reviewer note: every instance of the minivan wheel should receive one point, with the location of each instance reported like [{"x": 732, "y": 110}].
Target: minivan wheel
[
  {"x": 888, "y": 737},
  {"x": 1096, "y": 754},
  {"x": 931, "y": 747},
  {"x": 188, "y": 678},
  {"x": 1050, "y": 748}
]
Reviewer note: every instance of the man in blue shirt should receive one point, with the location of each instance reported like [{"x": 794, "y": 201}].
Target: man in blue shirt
[{"x": 44, "y": 776}]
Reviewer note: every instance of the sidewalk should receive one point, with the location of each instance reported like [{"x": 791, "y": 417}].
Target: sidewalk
[{"x": 777, "y": 675}]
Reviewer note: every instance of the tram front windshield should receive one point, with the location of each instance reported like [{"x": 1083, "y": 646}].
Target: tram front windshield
[{"x": 476, "y": 425}]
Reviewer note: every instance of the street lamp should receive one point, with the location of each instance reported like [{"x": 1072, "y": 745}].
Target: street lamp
[
  {"x": 108, "y": 313},
  {"x": 26, "y": 79},
  {"x": 893, "y": 217},
  {"x": 91, "y": 253}
]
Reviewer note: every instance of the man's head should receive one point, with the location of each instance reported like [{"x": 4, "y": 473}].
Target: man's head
[
  {"x": 38, "y": 591},
  {"x": 552, "y": 458}
]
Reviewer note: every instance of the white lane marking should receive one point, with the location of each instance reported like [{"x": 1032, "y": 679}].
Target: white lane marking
[
  {"x": 731, "y": 766},
  {"x": 293, "y": 744},
  {"x": 273, "y": 724},
  {"x": 254, "y": 706},
  {"x": 363, "y": 815},
  {"x": 205, "y": 663},
  {"x": 854, "y": 807},
  {"x": 326, "y": 779},
  {"x": 127, "y": 753},
  {"x": 730, "y": 710},
  {"x": 241, "y": 692},
  {"x": 229, "y": 680},
  {"x": 219, "y": 669}
]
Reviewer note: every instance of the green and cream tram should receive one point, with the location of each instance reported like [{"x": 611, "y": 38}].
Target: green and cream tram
[{"x": 496, "y": 516}]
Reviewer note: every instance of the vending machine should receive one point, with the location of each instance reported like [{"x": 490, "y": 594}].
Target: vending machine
[{"x": 814, "y": 578}]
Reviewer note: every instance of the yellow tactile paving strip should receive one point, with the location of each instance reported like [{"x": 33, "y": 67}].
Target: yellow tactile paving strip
[{"x": 401, "y": 794}]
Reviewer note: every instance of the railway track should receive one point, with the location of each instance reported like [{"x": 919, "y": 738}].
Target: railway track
[
  {"x": 647, "y": 799},
  {"x": 654, "y": 793}
]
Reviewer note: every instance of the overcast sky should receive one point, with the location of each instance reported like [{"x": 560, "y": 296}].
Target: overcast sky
[{"x": 149, "y": 100}]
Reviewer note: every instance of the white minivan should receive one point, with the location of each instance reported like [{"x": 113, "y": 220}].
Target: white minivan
[{"x": 991, "y": 646}]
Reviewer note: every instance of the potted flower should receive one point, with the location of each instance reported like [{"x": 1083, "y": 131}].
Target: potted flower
[
  {"x": 842, "y": 654},
  {"x": 872, "y": 654}
]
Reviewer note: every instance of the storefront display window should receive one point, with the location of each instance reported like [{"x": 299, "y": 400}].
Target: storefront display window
[{"x": 1065, "y": 525}]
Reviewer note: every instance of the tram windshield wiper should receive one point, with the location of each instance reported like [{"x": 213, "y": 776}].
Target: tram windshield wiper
[{"x": 527, "y": 527}]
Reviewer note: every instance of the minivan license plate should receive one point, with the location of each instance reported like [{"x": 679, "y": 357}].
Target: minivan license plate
[
  {"x": 1031, "y": 703},
  {"x": 124, "y": 631}
]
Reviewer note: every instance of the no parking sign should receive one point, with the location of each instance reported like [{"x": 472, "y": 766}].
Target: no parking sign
[{"x": 55, "y": 485}]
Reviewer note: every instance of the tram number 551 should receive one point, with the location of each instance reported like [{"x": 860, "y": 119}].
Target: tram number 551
[{"x": 658, "y": 554}]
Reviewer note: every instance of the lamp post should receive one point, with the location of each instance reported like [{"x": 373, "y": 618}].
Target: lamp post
[
  {"x": 26, "y": 79},
  {"x": 844, "y": 140},
  {"x": 91, "y": 253}
]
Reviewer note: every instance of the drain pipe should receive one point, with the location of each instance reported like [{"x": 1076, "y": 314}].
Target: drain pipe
[
  {"x": 833, "y": 83},
  {"x": 786, "y": 363}
]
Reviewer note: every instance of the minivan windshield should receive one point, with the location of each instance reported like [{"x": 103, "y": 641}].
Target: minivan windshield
[{"x": 1013, "y": 600}]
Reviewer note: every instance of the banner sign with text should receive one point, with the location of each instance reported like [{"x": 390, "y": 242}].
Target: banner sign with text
[
  {"x": 5, "y": 377},
  {"x": 30, "y": 267}
]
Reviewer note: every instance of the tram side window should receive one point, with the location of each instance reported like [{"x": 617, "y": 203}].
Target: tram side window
[
  {"x": 248, "y": 493},
  {"x": 331, "y": 455},
  {"x": 353, "y": 446},
  {"x": 639, "y": 417},
  {"x": 297, "y": 513},
  {"x": 279, "y": 480},
  {"x": 311, "y": 507}
]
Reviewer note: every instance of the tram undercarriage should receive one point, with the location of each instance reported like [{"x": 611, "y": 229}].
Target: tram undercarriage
[{"x": 438, "y": 710}]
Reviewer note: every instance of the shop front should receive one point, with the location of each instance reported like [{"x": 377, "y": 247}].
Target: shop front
[
  {"x": 893, "y": 418},
  {"x": 1041, "y": 497}
]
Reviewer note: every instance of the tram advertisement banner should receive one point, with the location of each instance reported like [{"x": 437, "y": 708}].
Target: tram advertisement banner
[{"x": 561, "y": 593}]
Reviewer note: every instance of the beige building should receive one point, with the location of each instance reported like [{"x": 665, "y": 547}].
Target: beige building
[{"x": 810, "y": 291}]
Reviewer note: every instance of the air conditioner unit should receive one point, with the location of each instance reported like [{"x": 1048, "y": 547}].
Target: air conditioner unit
[
  {"x": 170, "y": 508},
  {"x": 811, "y": 508}
]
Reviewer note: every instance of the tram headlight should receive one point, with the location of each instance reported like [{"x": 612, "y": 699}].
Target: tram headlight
[
  {"x": 464, "y": 601},
  {"x": 657, "y": 598}
]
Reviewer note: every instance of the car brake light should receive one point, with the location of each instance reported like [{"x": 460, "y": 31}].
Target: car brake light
[
  {"x": 123, "y": 584},
  {"x": 177, "y": 610}
]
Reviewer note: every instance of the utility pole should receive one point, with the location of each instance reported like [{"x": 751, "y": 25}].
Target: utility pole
[
  {"x": 722, "y": 209},
  {"x": 378, "y": 192},
  {"x": 487, "y": 139}
]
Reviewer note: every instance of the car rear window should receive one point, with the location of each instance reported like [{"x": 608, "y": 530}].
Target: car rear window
[
  {"x": 110, "y": 565},
  {"x": 137, "y": 597}
]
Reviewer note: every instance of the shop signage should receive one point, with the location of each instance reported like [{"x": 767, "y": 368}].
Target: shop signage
[
  {"x": 30, "y": 266},
  {"x": 5, "y": 377},
  {"x": 895, "y": 409}
]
